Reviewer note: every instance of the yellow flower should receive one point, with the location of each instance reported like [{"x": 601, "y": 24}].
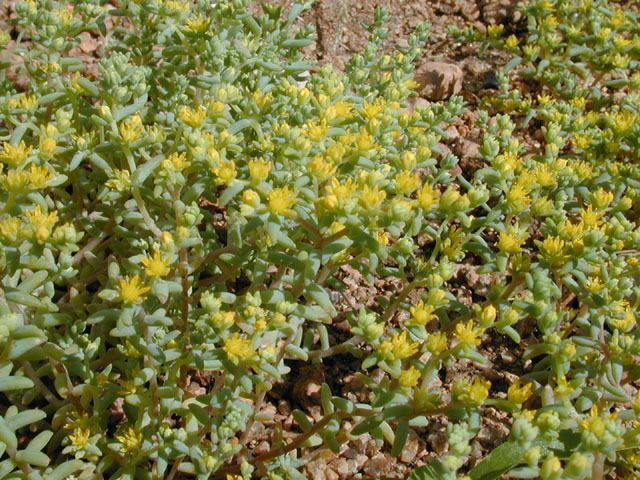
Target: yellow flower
[
  {"x": 336, "y": 152},
  {"x": 262, "y": 100},
  {"x": 478, "y": 391},
  {"x": 507, "y": 161},
  {"x": 562, "y": 387},
  {"x": 238, "y": 348},
  {"x": 175, "y": 162},
  {"x": 226, "y": 172},
  {"x": 602, "y": 199},
  {"x": 251, "y": 198},
  {"x": 590, "y": 218},
  {"x": 155, "y": 265},
  {"x": 339, "y": 111},
  {"x": 338, "y": 193},
  {"x": 437, "y": 343},
  {"x": 409, "y": 377},
  {"x": 596, "y": 424},
  {"x": 47, "y": 146},
  {"x": 371, "y": 198},
  {"x": 130, "y": 440},
  {"x": 15, "y": 181},
  {"x": 551, "y": 467},
  {"x": 473, "y": 393},
  {"x": 495, "y": 30},
  {"x": 512, "y": 41},
  {"x": 467, "y": 335},
  {"x": 550, "y": 22},
  {"x": 321, "y": 169},
  {"x": 222, "y": 320},
  {"x": 518, "y": 198},
  {"x": 620, "y": 42},
  {"x": 627, "y": 321},
  {"x": 80, "y": 437},
  {"x": 421, "y": 314},
  {"x": 131, "y": 290},
  {"x": 544, "y": 99},
  {"x": 553, "y": 249},
  {"x": 14, "y": 154},
  {"x": 315, "y": 132},
  {"x": 215, "y": 107},
  {"x": 41, "y": 222},
  {"x": 259, "y": 170},
  {"x": 406, "y": 182},
  {"x": 372, "y": 110},
  {"x": 487, "y": 316},
  {"x": 10, "y": 229},
  {"x": 544, "y": 177},
  {"x": 131, "y": 129},
  {"x": 510, "y": 240},
  {"x": 451, "y": 244},
  {"x": 198, "y": 24},
  {"x": 542, "y": 206},
  {"x": 38, "y": 176},
  {"x": 78, "y": 421},
  {"x": 364, "y": 142},
  {"x": 531, "y": 50},
  {"x": 623, "y": 121},
  {"x": 193, "y": 118},
  {"x": 427, "y": 196},
  {"x": 120, "y": 180},
  {"x": 382, "y": 239},
  {"x": 449, "y": 198},
  {"x": 27, "y": 102},
  {"x": 518, "y": 394},
  {"x": 281, "y": 200},
  {"x": 398, "y": 347}
]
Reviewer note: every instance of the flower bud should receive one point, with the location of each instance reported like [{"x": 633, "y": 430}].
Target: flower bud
[
  {"x": 105, "y": 113},
  {"x": 487, "y": 316}
]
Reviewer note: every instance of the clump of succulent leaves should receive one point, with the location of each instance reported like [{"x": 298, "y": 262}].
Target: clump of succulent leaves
[{"x": 185, "y": 213}]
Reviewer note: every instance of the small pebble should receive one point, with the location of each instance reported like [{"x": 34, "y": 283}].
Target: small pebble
[{"x": 490, "y": 80}]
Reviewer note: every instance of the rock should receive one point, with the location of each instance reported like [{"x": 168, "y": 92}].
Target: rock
[
  {"x": 411, "y": 448},
  {"x": 443, "y": 150},
  {"x": 345, "y": 468},
  {"x": 491, "y": 81},
  {"x": 468, "y": 149},
  {"x": 262, "y": 448},
  {"x": 448, "y": 7},
  {"x": 319, "y": 470},
  {"x": 361, "y": 460},
  {"x": 452, "y": 133},
  {"x": 359, "y": 444},
  {"x": 470, "y": 11},
  {"x": 307, "y": 388},
  {"x": 414, "y": 102},
  {"x": 501, "y": 11},
  {"x": 255, "y": 433},
  {"x": 350, "y": 453},
  {"x": 439, "y": 80},
  {"x": 284, "y": 407},
  {"x": 438, "y": 441},
  {"x": 379, "y": 465}
]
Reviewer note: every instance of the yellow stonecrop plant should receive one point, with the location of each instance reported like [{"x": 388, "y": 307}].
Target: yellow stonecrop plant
[{"x": 173, "y": 233}]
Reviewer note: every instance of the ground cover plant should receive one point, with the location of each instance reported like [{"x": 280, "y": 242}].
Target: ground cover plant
[{"x": 175, "y": 226}]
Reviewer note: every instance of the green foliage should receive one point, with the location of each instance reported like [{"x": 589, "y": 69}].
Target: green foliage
[{"x": 172, "y": 232}]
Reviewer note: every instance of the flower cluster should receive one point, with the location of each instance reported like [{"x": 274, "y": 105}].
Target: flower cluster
[{"x": 175, "y": 228}]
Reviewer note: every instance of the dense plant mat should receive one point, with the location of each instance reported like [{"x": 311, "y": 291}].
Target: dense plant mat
[{"x": 182, "y": 219}]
